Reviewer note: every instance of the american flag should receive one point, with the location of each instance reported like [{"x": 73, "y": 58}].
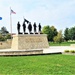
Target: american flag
[{"x": 12, "y": 12}]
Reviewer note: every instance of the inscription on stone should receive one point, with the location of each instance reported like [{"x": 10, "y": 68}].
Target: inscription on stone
[
  {"x": 27, "y": 42},
  {"x": 32, "y": 40}
]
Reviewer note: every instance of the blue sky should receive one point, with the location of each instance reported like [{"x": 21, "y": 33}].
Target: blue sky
[{"x": 60, "y": 13}]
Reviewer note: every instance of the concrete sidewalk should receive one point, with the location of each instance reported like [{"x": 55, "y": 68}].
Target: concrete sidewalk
[
  {"x": 51, "y": 49},
  {"x": 55, "y": 49}
]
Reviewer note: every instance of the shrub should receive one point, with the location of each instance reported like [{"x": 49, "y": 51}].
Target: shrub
[
  {"x": 66, "y": 51},
  {"x": 72, "y": 51},
  {"x": 8, "y": 36},
  {"x": 2, "y": 37}
]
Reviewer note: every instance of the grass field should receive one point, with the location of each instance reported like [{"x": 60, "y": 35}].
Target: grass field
[
  {"x": 38, "y": 65},
  {"x": 61, "y": 44}
]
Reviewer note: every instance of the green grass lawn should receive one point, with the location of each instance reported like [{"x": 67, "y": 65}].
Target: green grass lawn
[
  {"x": 61, "y": 44},
  {"x": 38, "y": 65}
]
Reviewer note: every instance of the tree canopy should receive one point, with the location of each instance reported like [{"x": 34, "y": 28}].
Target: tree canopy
[
  {"x": 66, "y": 34},
  {"x": 4, "y": 30},
  {"x": 4, "y": 34},
  {"x": 69, "y": 33},
  {"x": 50, "y": 31}
]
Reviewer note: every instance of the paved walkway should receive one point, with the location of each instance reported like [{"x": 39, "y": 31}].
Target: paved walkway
[
  {"x": 51, "y": 49},
  {"x": 54, "y": 49}
]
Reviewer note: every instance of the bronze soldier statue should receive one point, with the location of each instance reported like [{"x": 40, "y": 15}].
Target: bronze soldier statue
[
  {"x": 34, "y": 27},
  {"x": 30, "y": 27},
  {"x": 24, "y": 25},
  {"x": 18, "y": 27},
  {"x": 39, "y": 27}
]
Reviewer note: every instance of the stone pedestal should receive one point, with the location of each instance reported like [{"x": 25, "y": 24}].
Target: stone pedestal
[
  {"x": 21, "y": 52},
  {"x": 27, "y": 42}
]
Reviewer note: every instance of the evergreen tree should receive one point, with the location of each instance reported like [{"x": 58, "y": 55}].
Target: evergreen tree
[{"x": 66, "y": 34}]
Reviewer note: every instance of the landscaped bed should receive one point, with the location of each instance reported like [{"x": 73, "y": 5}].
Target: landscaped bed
[{"x": 69, "y": 52}]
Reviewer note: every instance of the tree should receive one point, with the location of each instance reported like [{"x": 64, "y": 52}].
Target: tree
[
  {"x": 66, "y": 34},
  {"x": 50, "y": 31},
  {"x": 72, "y": 33},
  {"x": 4, "y": 30},
  {"x": 4, "y": 34},
  {"x": 59, "y": 37},
  {"x": 54, "y": 32},
  {"x": 55, "y": 39}
]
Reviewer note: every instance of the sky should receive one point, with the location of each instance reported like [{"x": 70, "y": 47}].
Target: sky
[{"x": 57, "y": 13}]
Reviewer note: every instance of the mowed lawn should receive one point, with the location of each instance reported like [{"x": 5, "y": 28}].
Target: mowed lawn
[
  {"x": 38, "y": 65},
  {"x": 61, "y": 44}
]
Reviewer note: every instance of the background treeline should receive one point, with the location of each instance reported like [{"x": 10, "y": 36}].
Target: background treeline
[
  {"x": 69, "y": 33},
  {"x": 56, "y": 36},
  {"x": 53, "y": 34}
]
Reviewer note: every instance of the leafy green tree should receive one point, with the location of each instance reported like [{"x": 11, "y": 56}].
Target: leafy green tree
[
  {"x": 59, "y": 37},
  {"x": 66, "y": 34},
  {"x": 50, "y": 31},
  {"x": 54, "y": 32},
  {"x": 72, "y": 33},
  {"x": 55, "y": 39}
]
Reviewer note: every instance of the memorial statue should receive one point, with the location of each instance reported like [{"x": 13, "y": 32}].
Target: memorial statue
[
  {"x": 34, "y": 27},
  {"x": 18, "y": 27},
  {"x": 30, "y": 27},
  {"x": 39, "y": 27},
  {"x": 24, "y": 27}
]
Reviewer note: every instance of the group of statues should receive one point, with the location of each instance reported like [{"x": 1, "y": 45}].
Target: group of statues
[{"x": 29, "y": 27}]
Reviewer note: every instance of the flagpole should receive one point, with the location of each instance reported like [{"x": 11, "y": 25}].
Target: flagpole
[{"x": 10, "y": 23}]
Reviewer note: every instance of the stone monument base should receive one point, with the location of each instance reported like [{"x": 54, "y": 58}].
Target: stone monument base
[
  {"x": 28, "y": 42},
  {"x": 20, "y": 52}
]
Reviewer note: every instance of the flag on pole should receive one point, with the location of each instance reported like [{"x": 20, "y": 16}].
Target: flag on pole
[
  {"x": 12, "y": 12},
  {"x": 0, "y": 18}
]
